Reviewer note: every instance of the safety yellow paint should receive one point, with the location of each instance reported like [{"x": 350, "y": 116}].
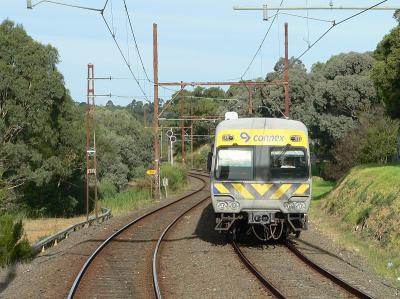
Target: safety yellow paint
[
  {"x": 243, "y": 137},
  {"x": 243, "y": 191},
  {"x": 221, "y": 188},
  {"x": 262, "y": 188},
  {"x": 302, "y": 189},
  {"x": 281, "y": 191}
]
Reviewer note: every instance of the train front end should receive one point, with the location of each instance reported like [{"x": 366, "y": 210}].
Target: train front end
[{"x": 260, "y": 177}]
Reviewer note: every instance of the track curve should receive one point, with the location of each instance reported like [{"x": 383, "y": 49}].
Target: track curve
[{"x": 75, "y": 286}]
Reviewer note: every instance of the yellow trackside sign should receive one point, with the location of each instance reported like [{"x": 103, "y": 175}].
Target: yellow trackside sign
[
  {"x": 151, "y": 171},
  {"x": 262, "y": 137}
]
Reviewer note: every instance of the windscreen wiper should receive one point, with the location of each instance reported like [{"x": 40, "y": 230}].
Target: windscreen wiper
[{"x": 284, "y": 150}]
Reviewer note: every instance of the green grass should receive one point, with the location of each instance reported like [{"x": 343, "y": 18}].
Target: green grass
[
  {"x": 127, "y": 201},
  {"x": 362, "y": 214},
  {"x": 139, "y": 196},
  {"x": 320, "y": 188}
]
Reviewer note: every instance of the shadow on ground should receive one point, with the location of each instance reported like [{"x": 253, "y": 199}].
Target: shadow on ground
[{"x": 8, "y": 277}]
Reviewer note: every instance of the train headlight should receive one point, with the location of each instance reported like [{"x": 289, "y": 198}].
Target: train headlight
[
  {"x": 228, "y": 205},
  {"x": 222, "y": 205},
  {"x": 234, "y": 205},
  {"x": 295, "y": 206}
]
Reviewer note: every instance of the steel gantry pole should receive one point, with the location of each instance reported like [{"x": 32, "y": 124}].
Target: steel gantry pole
[
  {"x": 91, "y": 155},
  {"x": 155, "y": 122},
  {"x": 286, "y": 79}
]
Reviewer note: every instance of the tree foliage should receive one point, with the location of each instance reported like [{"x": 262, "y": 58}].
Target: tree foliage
[
  {"x": 386, "y": 71},
  {"x": 124, "y": 147},
  {"x": 374, "y": 140},
  {"x": 39, "y": 154},
  {"x": 328, "y": 99}
]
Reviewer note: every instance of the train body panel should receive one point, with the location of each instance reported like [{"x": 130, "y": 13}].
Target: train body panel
[{"x": 260, "y": 174}]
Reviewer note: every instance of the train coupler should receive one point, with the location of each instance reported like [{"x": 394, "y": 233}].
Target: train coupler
[{"x": 224, "y": 222}]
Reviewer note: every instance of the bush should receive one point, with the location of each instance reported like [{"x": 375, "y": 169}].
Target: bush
[
  {"x": 373, "y": 141},
  {"x": 106, "y": 189},
  {"x": 380, "y": 143},
  {"x": 200, "y": 157},
  {"x": 13, "y": 246},
  {"x": 176, "y": 175}
]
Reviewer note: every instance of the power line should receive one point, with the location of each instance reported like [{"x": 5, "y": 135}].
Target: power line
[
  {"x": 262, "y": 42},
  {"x": 124, "y": 58},
  {"x": 327, "y": 31},
  {"x": 134, "y": 40}
]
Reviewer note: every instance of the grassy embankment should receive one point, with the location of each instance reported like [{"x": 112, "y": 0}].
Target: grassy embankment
[
  {"x": 362, "y": 214},
  {"x": 128, "y": 200}
]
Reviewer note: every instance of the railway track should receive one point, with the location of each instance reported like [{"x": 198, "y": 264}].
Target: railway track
[
  {"x": 274, "y": 290},
  {"x": 100, "y": 259},
  {"x": 109, "y": 263}
]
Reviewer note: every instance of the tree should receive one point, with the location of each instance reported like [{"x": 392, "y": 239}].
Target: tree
[
  {"x": 386, "y": 71},
  {"x": 123, "y": 147},
  {"x": 396, "y": 15},
  {"x": 40, "y": 156}
]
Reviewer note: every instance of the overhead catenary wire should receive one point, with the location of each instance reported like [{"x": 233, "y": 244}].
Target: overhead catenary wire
[
  {"x": 326, "y": 32},
  {"x": 124, "y": 58},
  {"x": 262, "y": 43},
  {"x": 135, "y": 42}
]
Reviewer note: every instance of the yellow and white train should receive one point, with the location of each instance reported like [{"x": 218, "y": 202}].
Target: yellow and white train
[{"x": 260, "y": 176}]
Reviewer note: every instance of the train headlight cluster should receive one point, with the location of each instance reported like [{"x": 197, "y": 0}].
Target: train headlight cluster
[
  {"x": 228, "y": 205},
  {"x": 295, "y": 206}
]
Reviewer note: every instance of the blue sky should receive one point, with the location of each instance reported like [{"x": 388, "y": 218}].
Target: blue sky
[{"x": 198, "y": 41}]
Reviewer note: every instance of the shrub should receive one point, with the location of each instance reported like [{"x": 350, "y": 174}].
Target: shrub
[
  {"x": 106, "y": 189},
  {"x": 177, "y": 176},
  {"x": 13, "y": 246},
  {"x": 380, "y": 142},
  {"x": 373, "y": 141}
]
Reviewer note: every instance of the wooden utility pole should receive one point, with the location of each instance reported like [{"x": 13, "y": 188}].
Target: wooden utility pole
[
  {"x": 191, "y": 144},
  {"x": 182, "y": 103},
  {"x": 91, "y": 155},
  {"x": 286, "y": 79},
  {"x": 144, "y": 117},
  {"x": 250, "y": 100},
  {"x": 155, "y": 122}
]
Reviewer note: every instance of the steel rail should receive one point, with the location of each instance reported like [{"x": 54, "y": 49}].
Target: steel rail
[
  {"x": 349, "y": 288},
  {"x": 156, "y": 285},
  {"x": 273, "y": 289},
  {"x": 88, "y": 262}
]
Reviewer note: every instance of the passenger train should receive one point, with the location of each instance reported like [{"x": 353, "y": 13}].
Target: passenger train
[{"x": 260, "y": 176}]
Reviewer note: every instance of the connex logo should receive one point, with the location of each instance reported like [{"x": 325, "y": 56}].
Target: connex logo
[{"x": 245, "y": 136}]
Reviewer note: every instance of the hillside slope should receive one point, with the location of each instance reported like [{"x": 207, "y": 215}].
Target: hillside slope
[{"x": 367, "y": 202}]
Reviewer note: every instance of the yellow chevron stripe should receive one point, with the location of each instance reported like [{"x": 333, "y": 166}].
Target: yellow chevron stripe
[
  {"x": 302, "y": 189},
  {"x": 221, "y": 188},
  {"x": 262, "y": 188},
  {"x": 243, "y": 191},
  {"x": 281, "y": 191}
]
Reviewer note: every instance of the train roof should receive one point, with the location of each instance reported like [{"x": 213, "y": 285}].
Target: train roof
[{"x": 261, "y": 123}]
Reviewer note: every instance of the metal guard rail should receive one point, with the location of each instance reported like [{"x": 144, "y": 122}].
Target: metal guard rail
[{"x": 53, "y": 240}]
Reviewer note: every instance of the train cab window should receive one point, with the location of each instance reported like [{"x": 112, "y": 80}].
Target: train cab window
[
  {"x": 234, "y": 163},
  {"x": 288, "y": 163}
]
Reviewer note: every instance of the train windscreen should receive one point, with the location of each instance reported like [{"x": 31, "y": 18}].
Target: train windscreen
[
  {"x": 261, "y": 163},
  {"x": 234, "y": 163}
]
